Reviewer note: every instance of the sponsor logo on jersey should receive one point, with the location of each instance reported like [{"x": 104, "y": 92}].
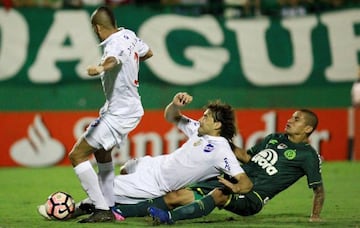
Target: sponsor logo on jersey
[
  {"x": 266, "y": 159},
  {"x": 208, "y": 148},
  {"x": 290, "y": 154},
  {"x": 227, "y": 165}
]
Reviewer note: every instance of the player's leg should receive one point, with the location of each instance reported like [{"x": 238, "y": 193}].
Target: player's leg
[
  {"x": 196, "y": 209},
  {"x": 200, "y": 207},
  {"x": 193, "y": 210},
  {"x": 180, "y": 197},
  {"x": 79, "y": 157},
  {"x": 129, "y": 166},
  {"x": 167, "y": 202},
  {"x": 106, "y": 175},
  {"x": 244, "y": 205}
]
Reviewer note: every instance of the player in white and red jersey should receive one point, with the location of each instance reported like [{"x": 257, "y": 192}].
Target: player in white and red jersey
[{"x": 121, "y": 113}]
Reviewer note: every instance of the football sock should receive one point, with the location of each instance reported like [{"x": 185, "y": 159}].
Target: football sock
[
  {"x": 106, "y": 177},
  {"x": 140, "y": 209},
  {"x": 196, "y": 209},
  {"x": 89, "y": 182},
  {"x": 87, "y": 200}
]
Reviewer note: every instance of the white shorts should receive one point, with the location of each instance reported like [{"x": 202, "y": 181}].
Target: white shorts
[
  {"x": 131, "y": 165},
  {"x": 108, "y": 131},
  {"x": 143, "y": 184}
]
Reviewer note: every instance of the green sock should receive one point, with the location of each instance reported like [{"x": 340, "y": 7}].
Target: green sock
[
  {"x": 196, "y": 209},
  {"x": 140, "y": 209}
]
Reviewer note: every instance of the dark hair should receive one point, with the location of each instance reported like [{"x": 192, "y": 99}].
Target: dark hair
[
  {"x": 311, "y": 119},
  {"x": 104, "y": 16},
  {"x": 225, "y": 114}
]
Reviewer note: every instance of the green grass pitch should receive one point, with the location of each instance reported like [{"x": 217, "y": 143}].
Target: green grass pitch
[{"x": 22, "y": 189}]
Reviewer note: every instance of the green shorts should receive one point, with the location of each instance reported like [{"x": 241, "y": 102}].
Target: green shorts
[
  {"x": 244, "y": 205},
  {"x": 202, "y": 188}
]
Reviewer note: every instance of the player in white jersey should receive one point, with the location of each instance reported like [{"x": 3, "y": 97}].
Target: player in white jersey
[
  {"x": 205, "y": 154},
  {"x": 121, "y": 113}
]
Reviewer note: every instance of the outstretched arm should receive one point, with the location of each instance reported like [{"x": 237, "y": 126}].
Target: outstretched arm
[
  {"x": 172, "y": 110},
  {"x": 109, "y": 63},
  {"x": 318, "y": 202},
  {"x": 243, "y": 185}
]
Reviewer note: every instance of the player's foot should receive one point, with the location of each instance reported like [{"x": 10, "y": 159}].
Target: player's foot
[
  {"x": 99, "y": 216},
  {"x": 160, "y": 216},
  {"x": 117, "y": 214},
  {"x": 42, "y": 211},
  {"x": 83, "y": 209}
]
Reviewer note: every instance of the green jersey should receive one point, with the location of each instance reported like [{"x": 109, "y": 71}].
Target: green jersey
[{"x": 277, "y": 163}]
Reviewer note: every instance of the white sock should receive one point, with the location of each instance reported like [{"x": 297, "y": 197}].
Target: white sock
[
  {"x": 106, "y": 177},
  {"x": 90, "y": 184},
  {"x": 85, "y": 201}
]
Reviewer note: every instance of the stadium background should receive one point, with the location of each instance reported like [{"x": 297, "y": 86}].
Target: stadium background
[{"x": 265, "y": 66}]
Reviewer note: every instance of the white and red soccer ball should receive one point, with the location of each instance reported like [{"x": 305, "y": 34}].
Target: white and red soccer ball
[{"x": 60, "y": 205}]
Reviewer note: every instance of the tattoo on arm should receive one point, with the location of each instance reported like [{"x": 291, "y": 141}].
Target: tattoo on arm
[{"x": 318, "y": 201}]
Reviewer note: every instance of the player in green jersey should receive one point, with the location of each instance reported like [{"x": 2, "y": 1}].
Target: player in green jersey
[{"x": 273, "y": 165}]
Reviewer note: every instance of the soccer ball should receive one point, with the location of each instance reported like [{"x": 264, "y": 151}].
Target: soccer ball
[{"x": 60, "y": 205}]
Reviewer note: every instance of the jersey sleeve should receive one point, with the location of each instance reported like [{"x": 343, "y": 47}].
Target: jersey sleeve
[
  {"x": 143, "y": 48},
  {"x": 228, "y": 163},
  {"x": 312, "y": 168}
]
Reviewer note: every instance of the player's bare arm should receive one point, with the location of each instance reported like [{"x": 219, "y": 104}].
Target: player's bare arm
[
  {"x": 241, "y": 154},
  {"x": 172, "y": 111},
  {"x": 318, "y": 202},
  {"x": 148, "y": 55},
  {"x": 108, "y": 64},
  {"x": 243, "y": 185}
]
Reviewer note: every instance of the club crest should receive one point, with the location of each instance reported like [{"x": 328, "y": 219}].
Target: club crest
[
  {"x": 290, "y": 154},
  {"x": 208, "y": 148}
]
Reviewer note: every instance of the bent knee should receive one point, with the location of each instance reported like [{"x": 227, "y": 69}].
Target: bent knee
[
  {"x": 179, "y": 198},
  {"x": 80, "y": 153},
  {"x": 219, "y": 197}
]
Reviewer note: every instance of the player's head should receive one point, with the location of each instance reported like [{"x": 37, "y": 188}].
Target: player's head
[
  {"x": 102, "y": 21},
  {"x": 218, "y": 119},
  {"x": 302, "y": 122},
  {"x": 311, "y": 119}
]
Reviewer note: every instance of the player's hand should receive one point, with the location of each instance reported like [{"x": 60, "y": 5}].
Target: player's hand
[
  {"x": 227, "y": 184},
  {"x": 95, "y": 70},
  {"x": 182, "y": 99}
]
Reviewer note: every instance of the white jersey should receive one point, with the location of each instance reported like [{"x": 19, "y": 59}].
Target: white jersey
[
  {"x": 355, "y": 94},
  {"x": 121, "y": 83},
  {"x": 122, "y": 110},
  {"x": 199, "y": 158}
]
